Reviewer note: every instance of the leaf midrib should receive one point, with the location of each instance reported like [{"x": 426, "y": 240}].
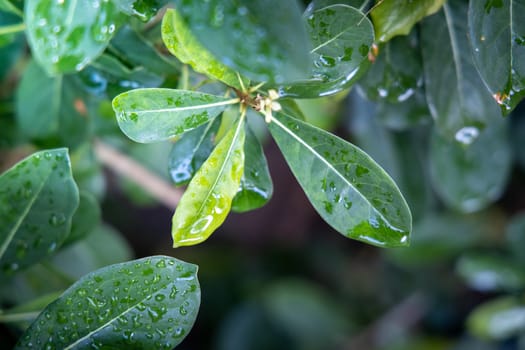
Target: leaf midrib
[
  {"x": 455, "y": 53},
  {"x": 188, "y": 108}
]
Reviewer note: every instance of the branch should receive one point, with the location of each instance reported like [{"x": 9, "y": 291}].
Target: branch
[{"x": 129, "y": 168}]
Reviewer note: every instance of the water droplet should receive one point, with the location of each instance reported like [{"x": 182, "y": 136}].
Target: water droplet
[
  {"x": 159, "y": 297},
  {"x": 467, "y": 134},
  {"x": 57, "y": 219},
  {"x": 161, "y": 264},
  {"x": 201, "y": 225},
  {"x": 182, "y": 310},
  {"x": 328, "y": 207}
]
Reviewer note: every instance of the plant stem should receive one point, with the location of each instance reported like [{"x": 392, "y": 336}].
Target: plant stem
[
  {"x": 19, "y": 317},
  {"x": 13, "y": 28}
]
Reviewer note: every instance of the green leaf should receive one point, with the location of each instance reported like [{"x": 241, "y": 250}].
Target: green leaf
[
  {"x": 47, "y": 108},
  {"x": 346, "y": 187},
  {"x": 149, "y": 303},
  {"x": 142, "y": 9},
  {"x": 392, "y": 17},
  {"x": 499, "y": 27},
  {"x": 86, "y": 218},
  {"x": 467, "y": 177},
  {"x": 24, "y": 314},
  {"x": 38, "y": 199},
  {"x": 152, "y": 115},
  {"x": 256, "y": 186},
  {"x": 67, "y": 35},
  {"x": 488, "y": 273},
  {"x": 207, "y": 200},
  {"x": 515, "y": 235},
  {"x": 458, "y": 100},
  {"x": 498, "y": 319},
  {"x": 263, "y": 40},
  {"x": 341, "y": 36},
  {"x": 191, "y": 151},
  {"x": 7, "y": 6},
  {"x": 405, "y": 115},
  {"x": 180, "y": 42}
]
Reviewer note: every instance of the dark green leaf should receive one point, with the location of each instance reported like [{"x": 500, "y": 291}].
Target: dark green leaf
[
  {"x": 7, "y": 6},
  {"x": 405, "y": 115},
  {"x": 467, "y": 177},
  {"x": 263, "y": 40},
  {"x": 517, "y": 135},
  {"x": 38, "y": 199},
  {"x": 515, "y": 235},
  {"x": 149, "y": 303},
  {"x": 87, "y": 171},
  {"x": 9, "y": 54},
  {"x": 208, "y": 198},
  {"x": 348, "y": 189},
  {"x": 392, "y": 17},
  {"x": 67, "y": 35},
  {"x": 342, "y": 37},
  {"x": 86, "y": 218},
  {"x": 152, "y": 115},
  {"x": 491, "y": 273},
  {"x": 256, "y": 184},
  {"x": 191, "y": 151},
  {"x": 498, "y": 319},
  {"x": 180, "y": 41},
  {"x": 457, "y": 97},
  {"x": 51, "y": 108},
  {"x": 497, "y": 35}
]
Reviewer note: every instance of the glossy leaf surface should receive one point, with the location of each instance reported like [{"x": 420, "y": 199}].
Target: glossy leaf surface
[
  {"x": 67, "y": 35},
  {"x": 498, "y": 319},
  {"x": 256, "y": 186},
  {"x": 346, "y": 187},
  {"x": 467, "y": 177},
  {"x": 48, "y": 107},
  {"x": 263, "y": 40},
  {"x": 207, "y": 200},
  {"x": 191, "y": 151},
  {"x": 142, "y": 9},
  {"x": 149, "y": 303},
  {"x": 499, "y": 27},
  {"x": 458, "y": 100},
  {"x": 180, "y": 42},
  {"x": 341, "y": 37},
  {"x": 392, "y": 17},
  {"x": 37, "y": 200},
  {"x": 152, "y": 115}
]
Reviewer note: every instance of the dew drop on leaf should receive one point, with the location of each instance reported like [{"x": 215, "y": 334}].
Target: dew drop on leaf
[{"x": 467, "y": 134}]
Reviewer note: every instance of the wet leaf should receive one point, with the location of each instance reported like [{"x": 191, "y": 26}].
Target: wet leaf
[
  {"x": 498, "y": 319},
  {"x": 263, "y": 40},
  {"x": 488, "y": 273},
  {"x": 256, "y": 186},
  {"x": 152, "y": 115},
  {"x": 465, "y": 176},
  {"x": 499, "y": 26},
  {"x": 191, "y": 151},
  {"x": 180, "y": 42},
  {"x": 142, "y": 9},
  {"x": 346, "y": 187},
  {"x": 85, "y": 219},
  {"x": 458, "y": 100},
  {"x": 37, "y": 200},
  {"x": 149, "y": 303},
  {"x": 405, "y": 115},
  {"x": 207, "y": 200},
  {"x": 341, "y": 37},
  {"x": 392, "y": 17},
  {"x": 67, "y": 35},
  {"x": 50, "y": 108}
]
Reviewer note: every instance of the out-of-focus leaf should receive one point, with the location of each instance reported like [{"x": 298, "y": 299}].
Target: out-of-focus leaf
[
  {"x": 498, "y": 319},
  {"x": 87, "y": 171},
  {"x": 191, "y": 151},
  {"x": 263, "y": 40},
  {"x": 397, "y": 72},
  {"x": 499, "y": 27},
  {"x": 488, "y": 273},
  {"x": 256, "y": 187},
  {"x": 67, "y": 35},
  {"x": 37, "y": 200},
  {"x": 307, "y": 313},
  {"x": 341, "y": 37},
  {"x": 517, "y": 134},
  {"x": 152, "y": 115},
  {"x": 392, "y": 17},
  {"x": 51, "y": 108},
  {"x": 208, "y": 198},
  {"x": 85, "y": 219},
  {"x": 468, "y": 177},
  {"x": 158, "y": 291},
  {"x": 440, "y": 237},
  {"x": 180, "y": 42},
  {"x": 11, "y": 45},
  {"x": 7, "y": 6},
  {"x": 24, "y": 314},
  {"x": 515, "y": 235},
  {"x": 346, "y": 187},
  {"x": 404, "y": 115},
  {"x": 458, "y": 100}
]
